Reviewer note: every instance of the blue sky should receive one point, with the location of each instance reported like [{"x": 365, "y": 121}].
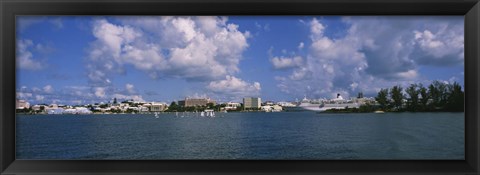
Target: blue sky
[{"x": 87, "y": 59}]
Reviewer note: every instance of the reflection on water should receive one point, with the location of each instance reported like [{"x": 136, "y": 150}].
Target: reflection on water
[{"x": 287, "y": 135}]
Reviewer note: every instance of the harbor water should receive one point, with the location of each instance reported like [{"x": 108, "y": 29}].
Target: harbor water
[{"x": 254, "y": 135}]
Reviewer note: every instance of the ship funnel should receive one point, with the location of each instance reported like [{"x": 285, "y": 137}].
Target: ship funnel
[{"x": 338, "y": 95}]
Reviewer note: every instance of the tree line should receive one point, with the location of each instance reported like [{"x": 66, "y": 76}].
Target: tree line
[{"x": 436, "y": 97}]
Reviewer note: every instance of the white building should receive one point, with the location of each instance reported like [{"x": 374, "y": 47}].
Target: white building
[
  {"x": 232, "y": 106},
  {"x": 158, "y": 107},
  {"x": 252, "y": 102},
  {"x": 55, "y": 111},
  {"x": 78, "y": 110},
  {"x": 22, "y": 104},
  {"x": 143, "y": 109},
  {"x": 37, "y": 107},
  {"x": 274, "y": 108}
]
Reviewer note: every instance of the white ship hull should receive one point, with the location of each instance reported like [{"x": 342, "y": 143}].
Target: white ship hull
[
  {"x": 304, "y": 108},
  {"x": 312, "y": 108},
  {"x": 338, "y": 106},
  {"x": 309, "y": 105}
]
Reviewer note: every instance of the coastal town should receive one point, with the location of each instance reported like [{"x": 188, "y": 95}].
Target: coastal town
[
  {"x": 186, "y": 105},
  {"x": 437, "y": 97}
]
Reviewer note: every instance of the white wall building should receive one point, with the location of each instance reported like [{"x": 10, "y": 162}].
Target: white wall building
[
  {"x": 232, "y": 106},
  {"x": 158, "y": 107},
  {"x": 252, "y": 102},
  {"x": 22, "y": 104},
  {"x": 274, "y": 108}
]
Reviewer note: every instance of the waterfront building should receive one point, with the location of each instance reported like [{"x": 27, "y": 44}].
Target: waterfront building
[
  {"x": 232, "y": 106},
  {"x": 53, "y": 106},
  {"x": 78, "y": 110},
  {"x": 55, "y": 111},
  {"x": 22, "y": 104},
  {"x": 269, "y": 103},
  {"x": 197, "y": 102},
  {"x": 363, "y": 100},
  {"x": 271, "y": 108},
  {"x": 133, "y": 108},
  {"x": 286, "y": 104},
  {"x": 143, "y": 109},
  {"x": 277, "y": 108},
  {"x": 181, "y": 103},
  {"x": 266, "y": 108},
  {"x": 37, "y": 107},
  {"x": 69, "y": 111},
  {"x": 252, "y": 102},
  {"x": 158, "y": 107}
]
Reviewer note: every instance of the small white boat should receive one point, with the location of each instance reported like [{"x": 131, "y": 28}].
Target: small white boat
[
  {"x": 209, "y": 113},
  {"x": 379, "y": 112}
]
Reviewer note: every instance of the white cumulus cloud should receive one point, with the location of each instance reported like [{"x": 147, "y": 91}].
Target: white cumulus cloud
[
  {"x": 284, "y": 62},
  {"x": 128, "y": 97},
  {"x": 301, "y": 45},
  {"x": 191, "y": 48},
  {"x": 234, "y": 88},
  {"x": 48, "y": 89},
  {"x": 130, "y": 88},
  {"x": 375, "y": 52},
  {"x": 25, "y": 58},
  {"x": 100, "y": 92}
]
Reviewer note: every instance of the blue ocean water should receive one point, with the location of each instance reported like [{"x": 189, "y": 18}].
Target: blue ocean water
[{"x": 284, "y": 135}]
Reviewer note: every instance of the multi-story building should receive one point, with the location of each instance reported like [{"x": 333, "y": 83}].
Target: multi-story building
[
  {"x": 158, "y": 107},
  {"x": 181, "y": 103},
  {"x": 252, "y": 102},
  {"x": 22, "y": 104},
  {"x": 197, "y": 102}
]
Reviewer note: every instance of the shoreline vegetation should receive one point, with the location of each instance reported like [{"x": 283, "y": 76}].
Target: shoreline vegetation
[{"x": 437, "y": 97}]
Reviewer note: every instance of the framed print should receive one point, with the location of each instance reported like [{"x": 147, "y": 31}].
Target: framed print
[{"x": 239, "y": 87}]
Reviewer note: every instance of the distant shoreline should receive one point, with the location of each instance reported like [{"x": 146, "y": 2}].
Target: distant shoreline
[
  {"x": 324, "y": 112},
  {"x": 148, "y": 113},
  {"x": 384, "y": 112}
]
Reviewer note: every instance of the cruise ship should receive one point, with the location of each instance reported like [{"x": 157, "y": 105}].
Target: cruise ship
[
  {"x": 323, "y": 105},
  {"x": 304, "y": 105},
  {"x": 338, "y": 103}
]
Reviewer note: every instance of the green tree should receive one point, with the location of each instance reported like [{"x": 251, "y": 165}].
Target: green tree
[
  {"x": 456, "y": 98},
  {"x": 173, "y": 107},
  {"x": 413, "y": 93},
  {"x": 424, "y": 97},
  {"x": 382, "y": 98},
  {"x": 397, "y": 97},
  {"x": 438, "y": 93},
  {"x": 210, "y": 106}
]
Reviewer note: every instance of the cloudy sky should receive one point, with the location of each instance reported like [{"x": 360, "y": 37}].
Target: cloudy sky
[{"x": 80, "y": 60}]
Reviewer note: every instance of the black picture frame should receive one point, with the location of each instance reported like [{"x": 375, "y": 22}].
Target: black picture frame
[{"x": 470, "y": 9}]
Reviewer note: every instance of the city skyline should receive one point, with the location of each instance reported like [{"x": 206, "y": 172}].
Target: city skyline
[{"x": 81, "y": 60}]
